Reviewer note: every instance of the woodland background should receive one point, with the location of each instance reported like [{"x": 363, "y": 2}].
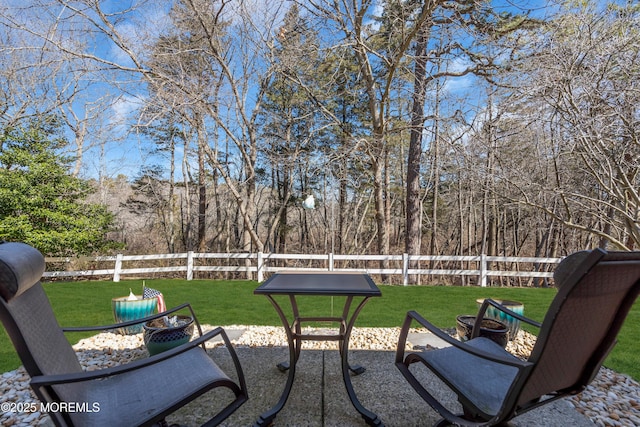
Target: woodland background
[{"x": 424, "y": 127}]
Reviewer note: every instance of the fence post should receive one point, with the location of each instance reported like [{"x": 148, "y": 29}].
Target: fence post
[
  {"x": 118, "y": 267},
  {"x": 405, "y": 269},
  {"x": 190, "y": 265},
  {"x": 483, "y": 270},
  {"x": 260, "y": 262},
  {"x": 331, "y": 266}
]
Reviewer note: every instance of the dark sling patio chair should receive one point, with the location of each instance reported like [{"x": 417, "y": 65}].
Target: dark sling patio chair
[
  {"x": 596, "y": 291},
  {"x": 142, "y": 392}
]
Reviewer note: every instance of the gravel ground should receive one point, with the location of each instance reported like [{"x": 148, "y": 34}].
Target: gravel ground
[{"x": 611, "y": 400}]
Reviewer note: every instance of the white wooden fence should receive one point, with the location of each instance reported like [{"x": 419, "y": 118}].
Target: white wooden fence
[{"x": 260, "y": 264}]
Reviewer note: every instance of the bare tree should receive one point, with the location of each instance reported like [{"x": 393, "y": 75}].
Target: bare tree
[
  {"x": 585, "y": 84},
  {"x": 244, "y": 74}
]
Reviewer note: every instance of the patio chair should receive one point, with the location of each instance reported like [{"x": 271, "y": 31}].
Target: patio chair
[
  {"x": 142, "y": 392},
  {"x": 578, "y": 332}
]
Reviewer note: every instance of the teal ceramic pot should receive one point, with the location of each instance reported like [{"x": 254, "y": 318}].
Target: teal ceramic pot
[
  {"x": 159, "y": 337},
  {"x": 125, "y": 310},
  {"x": 490, "y": 328},
  {"x": 510, "y": 321}
]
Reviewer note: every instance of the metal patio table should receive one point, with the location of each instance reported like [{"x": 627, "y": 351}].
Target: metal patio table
[{"x": 329, "y": 284}]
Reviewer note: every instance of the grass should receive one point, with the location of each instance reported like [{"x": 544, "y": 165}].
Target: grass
[{"x": 233, "y": 303}]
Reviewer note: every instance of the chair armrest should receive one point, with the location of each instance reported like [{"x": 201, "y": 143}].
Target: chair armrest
[
  {"x": 48, "y": 380},
  {"x": 136, "y": 321},
  {"x": 414, "y": 316},
  {"x": 487, "y": 302}
]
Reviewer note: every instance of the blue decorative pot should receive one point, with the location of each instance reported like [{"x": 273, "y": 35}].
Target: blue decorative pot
[
  {"x": 125, "y": 310},
  {"x": 510, "y": 321},
  {"x": 160, "y": 336}
]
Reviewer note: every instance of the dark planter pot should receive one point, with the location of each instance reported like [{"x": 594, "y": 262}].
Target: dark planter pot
[
  {"x": 159, "y": 337},
  {"x": 490, "y": 328}
]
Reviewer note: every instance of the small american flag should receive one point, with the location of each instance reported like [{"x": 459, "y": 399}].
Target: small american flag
[{"x": 150, "y": 293}]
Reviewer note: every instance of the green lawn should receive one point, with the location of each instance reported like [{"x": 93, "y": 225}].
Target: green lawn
[{"x": 233, "y": 302}]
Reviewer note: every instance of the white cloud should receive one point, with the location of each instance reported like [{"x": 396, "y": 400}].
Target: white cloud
[
  {"x": 123, "y": 110},
  {"x": 459, "y": 84},
  {"x": 141, "y": 28}
]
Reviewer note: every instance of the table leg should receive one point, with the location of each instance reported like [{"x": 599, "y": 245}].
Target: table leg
[
  {"x": 357, "y": 370},
  {"x": 371, "y": 418},
  {"x": 283, "y": 366},
  {"x": 266, "y": 418}
]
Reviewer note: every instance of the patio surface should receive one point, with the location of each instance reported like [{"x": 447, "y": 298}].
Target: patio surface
[{"x": 319, "y": 399}]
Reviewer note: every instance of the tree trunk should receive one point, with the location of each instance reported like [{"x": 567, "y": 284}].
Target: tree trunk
[
  {"x": 380, "y": 206},
  {"x": 283, "y": 196},
  {"x": 342, "y": 203},
  {"x": 413, "y": 237},
  {"x": 171, "y": 226},
  {"x": 202, "y": 192}
]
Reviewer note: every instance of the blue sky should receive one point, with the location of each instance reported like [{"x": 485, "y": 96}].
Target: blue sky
[{"x": 126, "y": 152}]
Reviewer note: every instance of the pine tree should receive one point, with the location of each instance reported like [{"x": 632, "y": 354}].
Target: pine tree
[{"x": 41, "y": 203}]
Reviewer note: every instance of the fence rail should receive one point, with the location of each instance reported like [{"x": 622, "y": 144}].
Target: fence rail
[{"x": 260, "y": 264}]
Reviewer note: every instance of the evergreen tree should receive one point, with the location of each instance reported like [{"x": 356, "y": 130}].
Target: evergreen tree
[
  {"x": 289, "y": 120},
  {"x": 41, "y": 203}
]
